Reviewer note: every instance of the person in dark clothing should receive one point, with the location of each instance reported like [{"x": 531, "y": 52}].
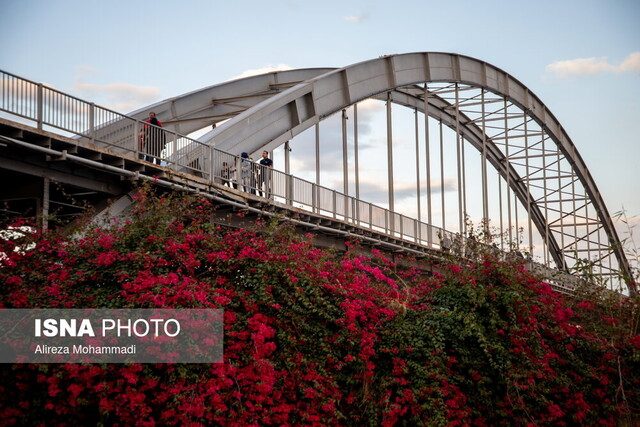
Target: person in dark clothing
[
  {"x": 264, "y": 179},
  {"x": 154, "y": 140}
]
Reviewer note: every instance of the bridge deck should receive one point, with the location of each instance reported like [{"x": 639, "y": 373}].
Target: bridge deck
[{"x": 34, "y": 159}]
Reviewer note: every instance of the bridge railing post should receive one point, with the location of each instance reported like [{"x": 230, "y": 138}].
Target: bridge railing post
[
  {"x": 334, "y": 209},
  {"x": 92, "y": 122},
  {"x": 371, "y": 216},
  {"x": 314, "y": 198},
  {"x": 39, "y": 106},
  {"x": 386, "y": 221},
  {"x": 210, "y": 170},
  {"x": 174, "y": 151},
  {"x": 289, "y": 189},
  {"x": 292, "y": 189},
  {"x": 137, "y": 139},
  {"x": 346, "y": 208},
  {"x": 354, "y": 210}
]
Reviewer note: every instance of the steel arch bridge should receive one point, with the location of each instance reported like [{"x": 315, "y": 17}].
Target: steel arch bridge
[{"x": 521, "y": 150}]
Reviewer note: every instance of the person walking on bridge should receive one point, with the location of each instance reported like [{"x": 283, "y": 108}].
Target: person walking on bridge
[
  {"x": 264, "y": 179},
  {"x": 246, "y": 172},
  {"x": 153, "y": 139}
]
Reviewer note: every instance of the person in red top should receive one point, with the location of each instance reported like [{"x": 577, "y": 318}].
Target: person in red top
[{"x": 152, "y": 139}]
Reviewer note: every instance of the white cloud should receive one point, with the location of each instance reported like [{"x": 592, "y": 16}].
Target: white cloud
[
  {"x": 263, "y": 70},
  {"x": 357, "y": 18},
  {"x": 631, "y": 63},
  {"x": 121, "y": 97},
  {"x": 370, "y": 105},
  {"x": 580, "y": 66},
  {"x": 584, "y": 66},
  {"x": 375, "y": 190}
]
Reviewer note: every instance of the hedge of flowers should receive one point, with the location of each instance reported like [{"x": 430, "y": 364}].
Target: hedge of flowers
[{"x": 314, "y": 337}]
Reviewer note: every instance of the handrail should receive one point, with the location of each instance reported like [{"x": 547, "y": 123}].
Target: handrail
[{"x": 90, "y": 123}]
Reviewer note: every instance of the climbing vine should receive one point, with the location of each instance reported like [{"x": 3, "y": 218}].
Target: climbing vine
[{"x": 314, "y": 337}]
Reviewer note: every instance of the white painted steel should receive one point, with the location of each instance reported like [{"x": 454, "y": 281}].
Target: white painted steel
[
  {"x": 283, "y": 116},
  {"x": 267, "y": 111}
]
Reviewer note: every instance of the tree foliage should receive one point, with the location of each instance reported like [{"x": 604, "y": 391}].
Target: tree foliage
[{"x": 314, "y": 337}]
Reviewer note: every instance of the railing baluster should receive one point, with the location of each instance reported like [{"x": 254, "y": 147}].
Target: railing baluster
[
  {"x": 136, "y": 139},
  {"x": 39, "y": 106},
  {"x": 334, "y": 203},
  {"x": 174, "y": 151},
  {"x": 92, "y": 118}
]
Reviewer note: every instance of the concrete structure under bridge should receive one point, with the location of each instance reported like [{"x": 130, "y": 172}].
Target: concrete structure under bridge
[{"x": 485, "y": 150}]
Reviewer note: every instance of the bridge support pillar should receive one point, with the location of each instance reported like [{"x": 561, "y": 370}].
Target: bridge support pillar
[{"x": 390, "y": 158}]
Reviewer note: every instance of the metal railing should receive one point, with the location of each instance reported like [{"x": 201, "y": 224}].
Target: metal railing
[
  {"x": 88, "y": 123},
  {"x": 92, "y": 124},
  {"x": 308, "y": 196}
]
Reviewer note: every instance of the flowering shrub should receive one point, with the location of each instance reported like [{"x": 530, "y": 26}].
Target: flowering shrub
[{"x": 316, "y": 338}]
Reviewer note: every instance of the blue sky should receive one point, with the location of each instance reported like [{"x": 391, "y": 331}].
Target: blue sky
[{"x": 582, "y": 58}]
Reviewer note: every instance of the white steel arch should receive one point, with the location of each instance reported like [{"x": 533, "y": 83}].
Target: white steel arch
[
  {"x": 212, "y": 105},
  {"x": 399, "y": 78}
]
